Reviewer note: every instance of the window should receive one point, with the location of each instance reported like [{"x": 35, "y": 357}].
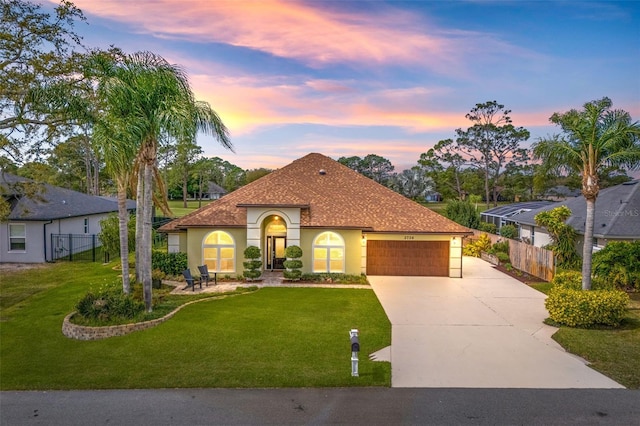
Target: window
[
  {"x": 219, "y": 252},
  {"x": 328, "y": 253},
  {"x": 86, "y": 225},
  {"x": 17, "y": 237}
]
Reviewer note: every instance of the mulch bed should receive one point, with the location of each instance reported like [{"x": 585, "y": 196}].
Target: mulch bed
[{"x": 519, "y": 275}]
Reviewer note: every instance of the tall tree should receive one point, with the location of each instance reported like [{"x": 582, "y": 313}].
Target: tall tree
[
  {"x": 492, "y": 143},
  {"x": 372, "y": 166},
  {"x": 444, "y": 164},
  {"x": 592, "y": 138},
  {"x": 36, "y": 49},
  {"x": 150, "y": 97},
  {"x": 412, "y": 183}
]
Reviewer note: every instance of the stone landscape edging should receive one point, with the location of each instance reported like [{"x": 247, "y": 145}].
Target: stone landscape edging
[{"x": 85, "y": 332}]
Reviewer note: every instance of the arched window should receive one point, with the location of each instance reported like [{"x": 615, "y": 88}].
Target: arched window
[
  {"x": 219, "y": 252},
  {"x": 328, "y": 253}
]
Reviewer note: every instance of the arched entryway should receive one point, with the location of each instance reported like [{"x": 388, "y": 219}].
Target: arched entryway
[{"x": 275, "y": 232}]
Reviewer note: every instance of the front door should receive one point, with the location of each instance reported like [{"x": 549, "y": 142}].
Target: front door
[{"x": 275, "y": 252}]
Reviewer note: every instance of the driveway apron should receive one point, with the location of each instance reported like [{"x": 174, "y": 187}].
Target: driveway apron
[{"x": 482, "y": 331}]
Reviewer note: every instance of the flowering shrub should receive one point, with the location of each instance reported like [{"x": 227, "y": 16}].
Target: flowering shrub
[
  {"x": 474, "y": 248},
  {"x": 108, "y": 304},
  {"x": 579, "y": 308}
]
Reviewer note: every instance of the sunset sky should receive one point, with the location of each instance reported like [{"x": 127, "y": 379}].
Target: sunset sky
[{"x": 390, "y": 78}]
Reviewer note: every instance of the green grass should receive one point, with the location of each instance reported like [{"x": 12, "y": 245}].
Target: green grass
[
  {"x": 178, "y": 209},
  {"x": 611, "y": 351},
  {"x": 274, "y": 337}
]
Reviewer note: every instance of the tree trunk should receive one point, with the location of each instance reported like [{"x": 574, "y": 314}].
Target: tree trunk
[
  {"x": 123, "y": 222},
  {"x": 587, "y": 249},
  {"x": 184, "y": 190},
  {"x": 139, "y": 221},
  {"x": 486, "y": 187},
  {"x": 145, "y": 245}
]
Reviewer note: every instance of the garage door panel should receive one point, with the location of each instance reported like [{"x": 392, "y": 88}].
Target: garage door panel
[{"x": 408, "y": 258}]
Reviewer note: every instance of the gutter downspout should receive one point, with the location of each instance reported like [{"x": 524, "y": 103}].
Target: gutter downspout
[{"x": 44, "y": 238}]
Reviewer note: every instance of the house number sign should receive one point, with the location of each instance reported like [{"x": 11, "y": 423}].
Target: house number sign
[{"x": 409, "y": 237}]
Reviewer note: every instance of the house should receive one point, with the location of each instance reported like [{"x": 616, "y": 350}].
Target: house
[
  {"x": 617, "y": 217},
  {"x": 214, "y": 191},
  {"x": 39, "y": 223},
  {"x": 560, "y": 193},
  {"x": 343, "y": 221},
  {"x": 501, "y": 215}
]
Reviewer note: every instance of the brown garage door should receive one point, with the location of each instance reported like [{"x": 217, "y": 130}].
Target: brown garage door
[{"x": 408, "y": 258}]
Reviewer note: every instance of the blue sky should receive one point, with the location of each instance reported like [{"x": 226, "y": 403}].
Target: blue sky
[{"x": 390, "y": 78}]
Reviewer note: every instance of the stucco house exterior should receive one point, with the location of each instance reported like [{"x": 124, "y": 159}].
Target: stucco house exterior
[
  {"x": 617, "y": 217},
  {"x": 26, "y": 235},
  {"x": 343, "y": 221}
]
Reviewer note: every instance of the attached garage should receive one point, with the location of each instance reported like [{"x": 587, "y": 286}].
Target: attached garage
[{"x": 408, "y": 258}]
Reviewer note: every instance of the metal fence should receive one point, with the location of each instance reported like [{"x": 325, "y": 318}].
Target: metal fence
[{"x": 75, "y": 247}]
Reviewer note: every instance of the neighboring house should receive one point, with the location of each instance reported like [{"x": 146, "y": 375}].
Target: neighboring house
[
  {"x": 502, "y": 215},
  {"x": 617, "y": 217},
  {"x": 343, "y": 221},
  {"x": 560, "y": 193},
  {"x": 214, "y": 191},
  {"x": 26, "y": 235}
]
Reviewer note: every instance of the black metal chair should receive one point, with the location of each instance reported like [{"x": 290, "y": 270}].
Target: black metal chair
[
  {"x": 204, "y": 275},
  {"x": 191, "y": 282}
]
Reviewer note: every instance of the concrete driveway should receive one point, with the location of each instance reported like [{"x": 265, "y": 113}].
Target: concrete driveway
[{"x": 482, "y": 331}]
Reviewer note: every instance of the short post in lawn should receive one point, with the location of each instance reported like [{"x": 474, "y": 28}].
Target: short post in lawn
[{"x": 355, "y": 348}]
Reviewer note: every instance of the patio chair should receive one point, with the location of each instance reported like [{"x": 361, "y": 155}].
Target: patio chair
[
  {"x": 191, "y": 282},
  {"x": 204, "y": 275}
]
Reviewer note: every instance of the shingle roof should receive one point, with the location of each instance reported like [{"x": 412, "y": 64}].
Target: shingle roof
[
  {"x": 52, "y": 202},
  {"x": 617, "y": 212},
  {"x": 330, "y": 195}
]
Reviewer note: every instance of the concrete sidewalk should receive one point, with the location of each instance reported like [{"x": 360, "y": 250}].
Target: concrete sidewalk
[{"x": 482, "y": 331}]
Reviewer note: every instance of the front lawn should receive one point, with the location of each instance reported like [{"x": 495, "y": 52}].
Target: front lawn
[
  {"x": 274, "y": 337},
  {"x": 611, "y": 351}
]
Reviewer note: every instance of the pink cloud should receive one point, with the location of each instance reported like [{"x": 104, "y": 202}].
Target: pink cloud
[{"x": 305, "y": 32}]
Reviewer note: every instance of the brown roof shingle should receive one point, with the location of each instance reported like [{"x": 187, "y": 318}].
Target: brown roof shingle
[{"x": 331, "y": 196}]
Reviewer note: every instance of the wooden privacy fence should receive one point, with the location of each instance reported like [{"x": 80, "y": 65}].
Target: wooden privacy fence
[{"x": 533, "y": 260}]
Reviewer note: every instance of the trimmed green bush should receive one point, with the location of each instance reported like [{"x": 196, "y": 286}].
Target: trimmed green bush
[
  {"x": 573, "y": 280},
  {"x": 293, "y": 263},
  {"x": 509, "y": 231},
  {"x": 502, "y": 257},
  {"x": 579, "y": 308},
  {"x": 253, "y": 264},
  {"x": 169, "y": 263},
  {"x": 488, "y": 227}
]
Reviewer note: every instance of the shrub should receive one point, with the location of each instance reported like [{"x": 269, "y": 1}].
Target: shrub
[
  {"x": 579, "y": 308},
  {"x": 488, "y": 227},
  {"x": 169, "y": 263},
  {"x": 562, "y": 235},
  {"x": 109, "y": 304},
  {"x": 463, "y": 212},
  {"x": 509, "y": 231},
  {"x": 252, "y": 266},
  {"x": 474, "y": 248},
  {"x": 572, "y": 280},
  {"x": 503, "y": 257},
  {"x": 293, "y": 263},
  {"x": 618, "y": 264},
  {"x": 500, "y": 247}
]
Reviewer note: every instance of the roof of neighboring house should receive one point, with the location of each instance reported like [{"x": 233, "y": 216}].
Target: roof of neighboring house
[
  {"x": 562, "y": 191},
  {"x": 617, "y": 212},
  {"x": 330, "y": 195},
  {"x": 514, "y": 208},
  {"x": 214, "y": 188},
  {"x": 51, "y": 202}
]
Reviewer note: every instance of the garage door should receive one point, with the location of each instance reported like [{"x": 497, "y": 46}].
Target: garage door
[{"x": 408, "y": 258}]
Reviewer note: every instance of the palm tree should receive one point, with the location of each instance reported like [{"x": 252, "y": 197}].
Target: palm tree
[
  {"x": 593, "y": 138},
  {"x": 152, "y": 98}
]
